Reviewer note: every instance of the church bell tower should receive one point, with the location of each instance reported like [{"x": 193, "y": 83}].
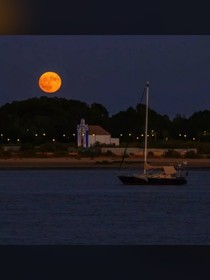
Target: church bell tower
[{"x": 82, "y": 134}]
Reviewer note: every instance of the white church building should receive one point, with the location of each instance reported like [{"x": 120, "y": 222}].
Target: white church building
[{"x": 88, "y": 135}]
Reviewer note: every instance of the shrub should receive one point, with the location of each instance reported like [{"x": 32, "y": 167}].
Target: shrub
[
  {"x": 108, "y": 153},
  {"x": 172, "y": 154},
  {"x": 150, "y": 154},
  {"x": 191, "y": 154},
  {"x": 5, "y": 154}
]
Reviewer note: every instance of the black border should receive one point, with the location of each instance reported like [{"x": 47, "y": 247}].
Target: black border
[
  {"x": 106, "y": 262},
  {"x": 113, "y": 17}
]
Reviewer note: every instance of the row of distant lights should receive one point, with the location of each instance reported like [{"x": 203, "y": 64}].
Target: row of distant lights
[
  {"x": 185, "y": 136},
  {"x": 142, "y": 135},
  {"x": 36, "y": 135},
  {"x": 180, "y": 135}
]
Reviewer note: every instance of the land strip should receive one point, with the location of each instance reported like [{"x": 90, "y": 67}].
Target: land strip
[{"x": 97, "y": 162}]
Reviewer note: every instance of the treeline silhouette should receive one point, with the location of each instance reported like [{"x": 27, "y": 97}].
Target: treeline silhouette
[{"x": 38, "y": 120}]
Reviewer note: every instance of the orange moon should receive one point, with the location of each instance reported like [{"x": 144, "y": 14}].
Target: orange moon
[{"x": 50, "y": 82}]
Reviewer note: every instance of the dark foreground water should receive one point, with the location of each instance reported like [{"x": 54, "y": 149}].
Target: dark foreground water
[{"x": 91, "y": 207}]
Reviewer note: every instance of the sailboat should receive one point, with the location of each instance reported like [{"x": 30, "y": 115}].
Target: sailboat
[{"x": 155, "y": 175}]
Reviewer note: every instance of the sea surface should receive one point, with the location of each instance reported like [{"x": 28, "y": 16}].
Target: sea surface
[{"x": 92, "y": 207}]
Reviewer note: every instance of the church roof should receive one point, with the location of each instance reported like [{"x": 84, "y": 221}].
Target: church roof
[{"x": 97, "y": 130}]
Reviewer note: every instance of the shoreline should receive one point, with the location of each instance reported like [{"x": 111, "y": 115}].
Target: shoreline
[{"x": 97, "y": 162}]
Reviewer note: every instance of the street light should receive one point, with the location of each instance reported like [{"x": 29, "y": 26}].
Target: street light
[{"x": 94, "y": 137}]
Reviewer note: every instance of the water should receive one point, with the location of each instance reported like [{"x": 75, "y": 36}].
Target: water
[{"x": 92, "y": 207}]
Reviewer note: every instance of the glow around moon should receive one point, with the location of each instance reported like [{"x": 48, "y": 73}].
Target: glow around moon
[{"x": 50, "y": 82}]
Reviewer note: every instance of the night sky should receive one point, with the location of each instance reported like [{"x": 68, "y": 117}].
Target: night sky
[{"x": 111, "y": 69}]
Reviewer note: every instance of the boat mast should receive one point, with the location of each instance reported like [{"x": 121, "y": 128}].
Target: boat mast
[{"x": 146, "y": 125}]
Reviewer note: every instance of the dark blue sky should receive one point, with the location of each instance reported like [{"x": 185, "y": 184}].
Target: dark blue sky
[{"x": 111, "y": 69}]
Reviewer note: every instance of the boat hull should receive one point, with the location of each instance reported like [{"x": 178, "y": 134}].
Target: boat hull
[{"x": 132, "y": 180}]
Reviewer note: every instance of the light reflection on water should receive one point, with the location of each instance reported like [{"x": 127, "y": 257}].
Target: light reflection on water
[{"x": 88, "y": 206}]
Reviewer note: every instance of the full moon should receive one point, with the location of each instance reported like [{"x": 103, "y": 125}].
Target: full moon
[{"x": 50, "y": 82}]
